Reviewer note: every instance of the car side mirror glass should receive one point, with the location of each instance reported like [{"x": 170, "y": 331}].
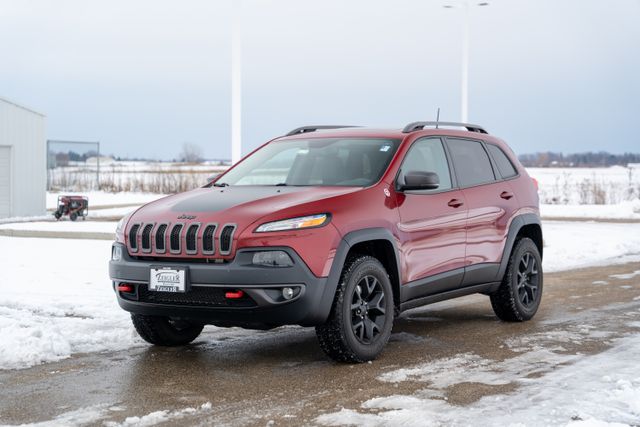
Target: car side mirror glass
[{"x": 420, "y": 180}]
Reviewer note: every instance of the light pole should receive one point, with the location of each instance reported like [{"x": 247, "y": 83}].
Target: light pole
[
  {"x": 465, "y": 5},
  {"x": 236, "y": 84}
]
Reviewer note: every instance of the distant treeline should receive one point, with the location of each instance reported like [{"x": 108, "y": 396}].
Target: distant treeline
[{"x": 589, "y": 159}]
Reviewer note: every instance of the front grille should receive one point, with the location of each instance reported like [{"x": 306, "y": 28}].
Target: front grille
[
  {"x": 226, "y": 238},
  {"x": 146, "y": 238},
  {"x": 181, "y": 239},
  {"x": 133, "y": 237},
  {"x": 160, "y": 238},
  {"x": 208, "y": 242},
  {"x": 174, "y": 243},
  {"x": 192, "y": 238},
  {"x": 203, "y": 296}
]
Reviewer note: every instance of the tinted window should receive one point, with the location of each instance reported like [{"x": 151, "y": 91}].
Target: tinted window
[
  {"x": 472, "y": 163},
  {"x": 427, "y": 155},
  {"x": 504, "y": 164}
]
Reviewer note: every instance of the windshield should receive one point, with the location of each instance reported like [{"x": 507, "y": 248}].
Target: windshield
[{"x": 353, "y": 162}]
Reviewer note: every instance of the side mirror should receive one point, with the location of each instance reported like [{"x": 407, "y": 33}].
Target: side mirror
[{"x": 419, "y": 180}]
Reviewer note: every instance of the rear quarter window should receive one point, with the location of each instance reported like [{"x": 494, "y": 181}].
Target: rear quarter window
[
  {"x": 505, "y": 167},
  {"x": 471, "y": 162}
]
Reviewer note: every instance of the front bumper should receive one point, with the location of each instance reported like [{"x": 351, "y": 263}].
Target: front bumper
[{"x": 263, "y": 305}]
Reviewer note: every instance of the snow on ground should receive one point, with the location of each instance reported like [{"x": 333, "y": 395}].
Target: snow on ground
[
  {"x": 65, "y": 226},
  {"x": 598, "y": 390},
  {"x": 92, "y": 415},
  {"x": 622, "y": 210},
  {"x": 56, "y": 300},
  {"x": 569, "y": 245}
]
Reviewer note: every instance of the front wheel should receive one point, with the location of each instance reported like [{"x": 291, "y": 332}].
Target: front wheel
[
  {"x": 361, "y": 318},
  {"x": 165, "y": 331},
  {"x": 520, "y": 293}
]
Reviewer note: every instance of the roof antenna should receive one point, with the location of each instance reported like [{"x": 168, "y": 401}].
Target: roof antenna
[{"x": 438, "y": 118}]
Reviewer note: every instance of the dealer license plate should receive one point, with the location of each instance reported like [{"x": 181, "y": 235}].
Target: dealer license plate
[{"x": 167, "y": 279}]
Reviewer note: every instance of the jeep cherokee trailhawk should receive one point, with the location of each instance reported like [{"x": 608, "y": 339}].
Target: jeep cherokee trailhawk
[{"x": 337, "y": 227}]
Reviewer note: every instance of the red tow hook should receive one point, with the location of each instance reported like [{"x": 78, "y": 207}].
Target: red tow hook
[
  {"x": 125, "y": 287},
  {"x": 234, "y": 294}
]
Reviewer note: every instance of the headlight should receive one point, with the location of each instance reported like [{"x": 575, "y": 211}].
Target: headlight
[
  {"x": 120, "y": 227},
  {"x": 295, "y": 223},
  {"x": 272, "y": 259}
]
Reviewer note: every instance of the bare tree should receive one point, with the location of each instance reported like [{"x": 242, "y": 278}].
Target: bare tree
[{"x": 191, "y": 153}]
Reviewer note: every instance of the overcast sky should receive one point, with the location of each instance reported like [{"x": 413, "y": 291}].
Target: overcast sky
[{"x": 143, "y": 77}]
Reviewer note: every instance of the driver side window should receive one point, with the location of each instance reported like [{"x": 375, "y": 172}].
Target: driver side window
[{"x": 427, "y": 155}]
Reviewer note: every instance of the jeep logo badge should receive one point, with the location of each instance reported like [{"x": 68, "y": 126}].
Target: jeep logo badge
[{"x": 185, "y": 216}]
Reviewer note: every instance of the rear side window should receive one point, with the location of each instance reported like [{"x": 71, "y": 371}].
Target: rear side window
[
  {"x": 504, "y": 164},
  {"x": 471, "y": 162},
  {"x": 427, "y": 155}
]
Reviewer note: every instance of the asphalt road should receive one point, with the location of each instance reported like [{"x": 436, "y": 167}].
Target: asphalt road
[{"x": 281, "y": 377}]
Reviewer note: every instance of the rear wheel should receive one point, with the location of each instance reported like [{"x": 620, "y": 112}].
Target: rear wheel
[
  {"x": 361, "y": 318},
  {"x": 73, "y": 216},
  {"x": 520, "y": 293},
  {"x": 165, "y": 331}
]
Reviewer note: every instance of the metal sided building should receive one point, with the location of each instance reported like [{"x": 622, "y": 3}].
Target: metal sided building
[{"x": 23, "y": 167}]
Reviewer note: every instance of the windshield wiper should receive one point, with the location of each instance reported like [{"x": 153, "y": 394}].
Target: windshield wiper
[
  {"x": 281, "y": 184},
  {"x": 220, "y": 184}
]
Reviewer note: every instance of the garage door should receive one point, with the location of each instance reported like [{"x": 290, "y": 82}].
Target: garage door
[{"x": 5, "y": 181}]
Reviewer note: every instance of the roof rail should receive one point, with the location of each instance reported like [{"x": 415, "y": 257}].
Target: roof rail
[
  {"x": 307, "y": 129},
  {"x": 414, "y": 126}
]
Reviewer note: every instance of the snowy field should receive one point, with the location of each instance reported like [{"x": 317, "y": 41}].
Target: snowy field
[{"x": 583, "y": 186}]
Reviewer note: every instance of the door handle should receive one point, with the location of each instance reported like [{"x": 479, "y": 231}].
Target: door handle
[
  {"x": 506, "y": 195},
  {"x": 455, "y": 203}
]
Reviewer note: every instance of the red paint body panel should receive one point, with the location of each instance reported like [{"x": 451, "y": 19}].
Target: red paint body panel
[{"x": 431, "y": 236}]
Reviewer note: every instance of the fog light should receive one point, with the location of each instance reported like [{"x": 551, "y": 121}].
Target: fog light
[
  {"x": 116, "y": 253},
  {"x": 272, "y": 259},
  {"x": 287, "y": 293}
]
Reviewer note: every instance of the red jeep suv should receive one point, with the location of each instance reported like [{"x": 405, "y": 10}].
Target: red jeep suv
[{"x": 337, "y": 227}]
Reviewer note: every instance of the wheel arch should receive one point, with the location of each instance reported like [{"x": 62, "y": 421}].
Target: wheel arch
[
  {"x": 525, "y": 225},
  {"x": 377, "y": 242}
]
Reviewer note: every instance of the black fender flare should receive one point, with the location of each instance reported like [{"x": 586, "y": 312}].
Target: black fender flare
[
  {"x": 514, "y": 228},
  {"x": 348, "y": 241}
]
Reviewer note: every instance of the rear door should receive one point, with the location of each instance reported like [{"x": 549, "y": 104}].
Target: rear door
[
  {"x": 432, "y": 222},
  {"x": 5, "y": 181},
  {"x": 490, "y": 203}
]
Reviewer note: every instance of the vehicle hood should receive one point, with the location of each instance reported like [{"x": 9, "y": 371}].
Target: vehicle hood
[{"x": 241, "y": 205}]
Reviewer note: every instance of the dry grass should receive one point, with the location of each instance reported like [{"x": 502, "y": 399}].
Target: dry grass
[{"x": 148, "y": 181}]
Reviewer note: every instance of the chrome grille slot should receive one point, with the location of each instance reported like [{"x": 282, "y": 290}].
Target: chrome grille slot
[
  {"x": 208, "y": 242},
  {"x": 226, "y": 239},
  {"x": 191, "y": 239},
  {"x": 133, "y": 237},
  {"x": 160, "y": 238},
  {"x": 174, "y": 239},
  {"x": 145, "y": 241}
]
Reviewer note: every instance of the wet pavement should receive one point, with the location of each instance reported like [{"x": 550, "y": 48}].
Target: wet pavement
[{"x": 282, "y": 377}]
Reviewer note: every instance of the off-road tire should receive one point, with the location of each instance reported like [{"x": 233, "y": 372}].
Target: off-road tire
[
  {"x": 336, "y": 336},
  {"x": 506, "y": 302},
  {"x": 165, "y": 332}
]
